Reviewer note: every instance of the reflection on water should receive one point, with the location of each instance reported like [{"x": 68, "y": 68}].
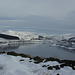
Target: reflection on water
[
  {"x": 9, "y": 47},
  {"x": 39, "y": 49}
]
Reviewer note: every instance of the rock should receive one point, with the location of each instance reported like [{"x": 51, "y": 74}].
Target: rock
[{"x": 9, "y": 37}]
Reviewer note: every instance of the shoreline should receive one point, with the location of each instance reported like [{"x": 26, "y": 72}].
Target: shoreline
[{"x": 37, "y": 60}]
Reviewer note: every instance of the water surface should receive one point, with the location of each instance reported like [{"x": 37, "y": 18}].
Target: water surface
[{"x": 42, "y": 50}]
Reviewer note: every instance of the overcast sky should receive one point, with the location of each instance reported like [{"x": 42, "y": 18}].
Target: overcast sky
[
  {"x": 37, "y": 12},
  {"x": 49, "y": 8}
]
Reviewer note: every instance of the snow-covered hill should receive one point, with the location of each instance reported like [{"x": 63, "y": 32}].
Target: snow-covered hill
[
  {"x": 30, "y": 35},
  {"x": 22, "y": 35}
]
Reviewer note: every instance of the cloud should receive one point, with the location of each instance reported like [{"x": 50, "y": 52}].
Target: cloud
[{"x": 23, "y": 8}]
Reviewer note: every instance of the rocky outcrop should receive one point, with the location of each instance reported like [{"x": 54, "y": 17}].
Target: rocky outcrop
[
  {"x": 71, "y": 39},
  {"x": 9, "y": 37}
]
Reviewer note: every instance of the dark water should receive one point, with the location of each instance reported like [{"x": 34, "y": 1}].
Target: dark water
[{"x": 42, "y": 50}]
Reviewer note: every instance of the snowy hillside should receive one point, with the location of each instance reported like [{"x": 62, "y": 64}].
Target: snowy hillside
[
  {"x": 30, "y": 35},
  {"x": 23, "y": 35}
]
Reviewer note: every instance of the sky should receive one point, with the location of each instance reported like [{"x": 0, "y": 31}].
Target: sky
[{"x": 28, "y": 14}]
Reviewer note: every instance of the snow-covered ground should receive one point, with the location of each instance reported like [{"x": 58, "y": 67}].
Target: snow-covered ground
[{"x": 11, "y": 65}]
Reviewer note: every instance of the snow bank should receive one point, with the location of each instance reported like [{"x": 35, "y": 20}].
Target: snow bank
[{"x": 10, "y": 65}]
